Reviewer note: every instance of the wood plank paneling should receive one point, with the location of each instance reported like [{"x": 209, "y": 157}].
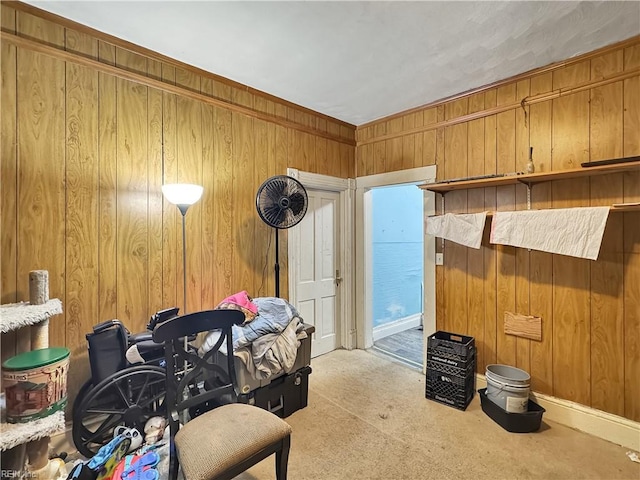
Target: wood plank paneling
[
  {"x": 489, "y": 251},
  {"x": 631, "y": 297},
  {"x": 429, "y": 138},
  {"x": 408, "y": 142},
  {"x": 505, "y": 200},
  {"x": 541, "y": 263},
  {"x": 207, "y": 294},
  {"x": 631, "y": 123},
  {"x": 607, "y": 273},
  {"x": 132, "y": 198},
  {"x": 242, "y": 204},
  {"x": 189, "y": 157},
  {"x": 522, "y": 142},
  {"x": 322, "y": 159},
  {"x": 41, "y": 189},
  {"x": 393, "y": 158},
  {"x": 82, "y": 185},
  {"x": 222, "y": 204},
  {"x": 455, "y": 255},
  {"x": 8, "y": 176},
  {"x": 107, "y": 196},
  {"x": 263, "y": 244},
  {"x": 171, "y": 249},
  {"x": 154, "y": 149},
  {"x": 379, "y": 152},
  {"x": 475, "y": 257},
  {"x": 571, "y": 276},
  {"x": 455, "y": 141},
  {"x": 631, "y": 246},
  {"x": 455, "y": 262}
]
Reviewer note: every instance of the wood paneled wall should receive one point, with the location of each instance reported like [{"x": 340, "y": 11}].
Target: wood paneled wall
[
  {"x": 85, "y": 150},
  {"x": 584, "y": 109}
]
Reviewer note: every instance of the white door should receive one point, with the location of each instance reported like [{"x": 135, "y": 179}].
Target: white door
[{"x": 317, "y": 269}]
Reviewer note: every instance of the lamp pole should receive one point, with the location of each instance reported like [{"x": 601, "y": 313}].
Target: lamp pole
[
  {"x": 183, "y": 210},
  {"x": 183, "y": 195}
]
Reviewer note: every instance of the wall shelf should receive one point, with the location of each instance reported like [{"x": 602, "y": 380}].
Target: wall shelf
[
  {"x": 616, "y": 207},
  {"x": 533, "y": 178}
]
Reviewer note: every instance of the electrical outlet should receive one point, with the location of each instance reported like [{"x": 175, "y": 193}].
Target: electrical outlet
[{"x": 439, "y": 258}]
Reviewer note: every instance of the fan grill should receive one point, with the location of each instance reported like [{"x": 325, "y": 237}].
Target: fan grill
[{"x": 281, "y": 201}]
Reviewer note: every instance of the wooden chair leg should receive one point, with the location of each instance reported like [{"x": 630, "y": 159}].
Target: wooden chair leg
[{"x": 282, "y": 459}]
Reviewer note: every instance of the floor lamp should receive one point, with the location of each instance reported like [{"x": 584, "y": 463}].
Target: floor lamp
[{"x": 183, "y": 195}]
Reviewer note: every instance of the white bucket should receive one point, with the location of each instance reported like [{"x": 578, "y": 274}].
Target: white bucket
[{"x": 508, "y": 387}]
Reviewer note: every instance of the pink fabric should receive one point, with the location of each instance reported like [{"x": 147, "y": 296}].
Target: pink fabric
[{"x": 242, "y": 299}]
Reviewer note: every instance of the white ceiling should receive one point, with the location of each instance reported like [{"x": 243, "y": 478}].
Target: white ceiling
[{"x": 360, "y": 61}]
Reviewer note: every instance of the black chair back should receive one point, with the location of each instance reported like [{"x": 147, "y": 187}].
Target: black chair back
[{"x": 206, "y": 380}]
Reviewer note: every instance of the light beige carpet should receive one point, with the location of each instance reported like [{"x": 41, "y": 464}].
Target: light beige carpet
[{"x": 367, "y": 418}]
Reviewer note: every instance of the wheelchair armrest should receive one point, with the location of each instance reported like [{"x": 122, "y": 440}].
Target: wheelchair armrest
[
  {"x": 107, "y": 324},
  {"x": 139, "y": 337},
  {"x": 162, "y": 316}
]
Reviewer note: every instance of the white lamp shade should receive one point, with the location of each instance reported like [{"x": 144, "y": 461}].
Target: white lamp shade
[{"x": 182, "y": 193}]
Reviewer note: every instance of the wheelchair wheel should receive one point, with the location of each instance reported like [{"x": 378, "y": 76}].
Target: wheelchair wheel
[
  {"x": 82, "y": 393},
  {"x": 129, "y": 397}
]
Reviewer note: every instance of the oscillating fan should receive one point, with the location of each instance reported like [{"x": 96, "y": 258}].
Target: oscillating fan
[{"x": 281, "y": 202}]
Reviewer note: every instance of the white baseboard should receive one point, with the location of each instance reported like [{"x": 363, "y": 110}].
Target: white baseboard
[
  {"x": 412, "y": 321},
  {"x": 613, "y": 428}
]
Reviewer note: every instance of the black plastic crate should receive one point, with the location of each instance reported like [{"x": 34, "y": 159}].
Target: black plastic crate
[
  {"x": 452, "y": 367},
  {"x": 455, "y": 391},
  {"x": 451, "y": 347},
  {"x": 451, "y": 363}
]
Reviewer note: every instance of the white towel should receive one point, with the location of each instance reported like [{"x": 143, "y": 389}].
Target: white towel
[
  {"x": 568, "y": 231},
  {"x": 465, "y": 229}
]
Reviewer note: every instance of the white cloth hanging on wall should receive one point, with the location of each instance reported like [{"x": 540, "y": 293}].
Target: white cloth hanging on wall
[
  {"x": 568, "y": 231},
  {"x": 463, "y": 228}
]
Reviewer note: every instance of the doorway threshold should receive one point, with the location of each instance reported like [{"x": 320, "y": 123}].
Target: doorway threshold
[{"x": 396, "y": 358}]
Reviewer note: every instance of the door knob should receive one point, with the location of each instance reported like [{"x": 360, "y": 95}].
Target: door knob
[{"x": 338, "y": 278}]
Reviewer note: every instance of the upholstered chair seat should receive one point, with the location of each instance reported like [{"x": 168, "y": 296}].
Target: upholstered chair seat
[{"x": 224, "y": 437}]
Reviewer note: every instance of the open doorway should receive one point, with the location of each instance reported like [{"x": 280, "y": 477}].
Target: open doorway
[
  {"x": 366, "y": 188},
  {"x": 397, "y": 245}
]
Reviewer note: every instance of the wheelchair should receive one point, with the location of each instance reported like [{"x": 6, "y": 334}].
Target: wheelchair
[{"x": 119, "y": 392}]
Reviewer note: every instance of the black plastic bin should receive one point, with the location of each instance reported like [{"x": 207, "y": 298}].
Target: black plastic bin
[
  {"x": 284, "y": 395},
  {"x": 525, "y": 422}
]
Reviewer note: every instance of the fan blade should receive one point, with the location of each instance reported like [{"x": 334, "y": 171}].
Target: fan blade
[
  {"x": 296, "y": 203},
  {"x": 275, "y": 190},
  {"x": 274, "y": 214}
]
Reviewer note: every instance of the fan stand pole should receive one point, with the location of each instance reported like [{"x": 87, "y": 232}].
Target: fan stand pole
[{"x": 277, "y": 267}]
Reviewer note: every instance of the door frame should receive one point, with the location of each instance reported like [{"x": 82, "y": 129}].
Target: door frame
[
  {"x": 346, "y": 188},
  {"x": 364, "y": 253}
]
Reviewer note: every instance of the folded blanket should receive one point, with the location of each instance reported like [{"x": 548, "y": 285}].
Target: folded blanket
[
  {"x": 274, "y": 314},
  {"x": 272, "y": 353},
  {"x": 269, "y": 344}
]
